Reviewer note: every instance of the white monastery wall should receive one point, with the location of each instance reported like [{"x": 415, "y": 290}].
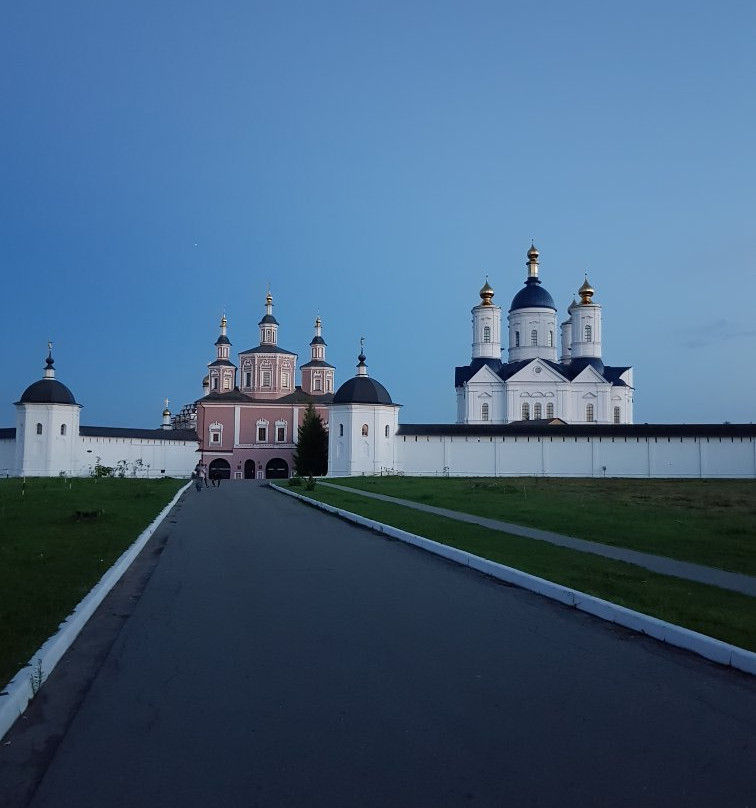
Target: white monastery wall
[
  {"x": 164, "y": 458},
  {"x": 576, "y": 457}
]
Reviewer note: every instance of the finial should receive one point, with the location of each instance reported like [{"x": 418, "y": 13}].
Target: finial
[
  {"x": 166, "y": 403},
  {"x": 586, "y": 292}
]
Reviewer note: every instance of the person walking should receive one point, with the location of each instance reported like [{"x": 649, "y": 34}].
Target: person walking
[
  {"x": 197, "y": 476},
  {"x": 203, "y": 474}
]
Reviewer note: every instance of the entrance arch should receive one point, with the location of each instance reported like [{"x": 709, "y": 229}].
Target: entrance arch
[
  {"x": 277, "y": 469},
  {"x": 249, "y": 469},
  {"x": 220, "y": 468}
]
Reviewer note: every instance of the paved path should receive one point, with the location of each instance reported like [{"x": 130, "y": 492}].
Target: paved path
[
  {"x": 282, "y": 657},
  {"x": 737, "y": 582}
]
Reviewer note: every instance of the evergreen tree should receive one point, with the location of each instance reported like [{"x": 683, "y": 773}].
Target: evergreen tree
[{"x": 311, "y": 455}]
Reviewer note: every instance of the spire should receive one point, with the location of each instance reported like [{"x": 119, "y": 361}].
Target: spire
[
  {"x": 532, "y": 262},
  {"x": 486, "y": 293},
  {"x": 49, "y": 363},
  {"x": 361, "y": 366},
  {"x": 586, "y": 292}
]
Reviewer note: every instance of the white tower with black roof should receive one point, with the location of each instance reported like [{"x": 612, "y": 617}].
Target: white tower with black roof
[
  {"x": 317, "y": 374},
  {"x": 221, "y": 371}
]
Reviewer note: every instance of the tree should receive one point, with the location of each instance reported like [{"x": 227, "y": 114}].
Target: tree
[{"x": 311, "y": 454}]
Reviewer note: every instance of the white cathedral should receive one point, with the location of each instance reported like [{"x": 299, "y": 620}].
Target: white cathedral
[{"x": 533, "y": 384}]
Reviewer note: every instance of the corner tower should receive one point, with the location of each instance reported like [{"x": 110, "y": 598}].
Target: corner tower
[{"x": 486, "y": 323}]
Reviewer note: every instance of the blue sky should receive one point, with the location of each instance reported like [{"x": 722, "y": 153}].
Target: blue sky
[{"x": 165, "y": 161}]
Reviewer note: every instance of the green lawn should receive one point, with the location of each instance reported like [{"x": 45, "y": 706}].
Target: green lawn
[
  {"x": 49, "y": 560},
  {"x": 711, "y": 522},
  {"x": 729, "y": 616}
]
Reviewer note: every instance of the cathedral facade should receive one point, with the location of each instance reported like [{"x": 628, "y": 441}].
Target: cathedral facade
[
  {"x": 546, "y": 374},
  {"x": 248, "y": 419}
]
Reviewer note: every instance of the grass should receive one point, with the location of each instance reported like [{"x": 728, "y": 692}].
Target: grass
[
  {"x": 728, "y": 616},
  {"x": 711, "y": 522},
  {"x": 49, "y": 560}
]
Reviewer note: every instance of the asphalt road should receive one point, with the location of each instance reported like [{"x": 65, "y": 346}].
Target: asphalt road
[{"x": 281, "y": 657}]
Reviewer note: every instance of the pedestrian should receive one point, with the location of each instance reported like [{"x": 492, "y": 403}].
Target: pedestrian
[
  {"x": 197, "y": 478},
  {"x": 218, "y": 477},
  {"x": 203, "y": 474}
]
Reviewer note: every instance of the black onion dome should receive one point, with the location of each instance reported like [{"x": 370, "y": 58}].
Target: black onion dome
[
  {"x": 362, "y": 390},
  {"x": 268, "y": 319},
  {"x": 223, "y": 340},
  {"x": 47, "y": 391},
  {"x": 533, "y": 296}
]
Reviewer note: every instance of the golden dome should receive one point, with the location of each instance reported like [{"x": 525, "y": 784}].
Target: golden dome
[
  {"x": 486, "y": 294},
  {"x": 533, "y": 251},
  {"x": 586, "y": 292}
]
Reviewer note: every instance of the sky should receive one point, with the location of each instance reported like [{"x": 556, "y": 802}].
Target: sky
[{"x": 372, "y": 163}]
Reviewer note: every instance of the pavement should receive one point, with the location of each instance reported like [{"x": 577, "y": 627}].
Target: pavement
[
  {"x": 734, "y": 581},
  {"x": 268, "y": 654}
]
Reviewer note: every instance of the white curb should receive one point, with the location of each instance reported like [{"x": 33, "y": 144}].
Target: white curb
[
  {"x": 18, "y": 693},
  {"x": 708, "y": 647}
]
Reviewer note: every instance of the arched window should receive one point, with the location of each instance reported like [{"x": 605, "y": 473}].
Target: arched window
[
  {"x": 589, "y": 412},
  {"x": 364, "y": 430},
  {"x": 227, "y": 382},
  {"x": 617, "y": 415},
  {"x": 341, "y": 430},
  {"x": 534, "y": 337},
  {"x": 526, "y": 412},
  {"x": 484, "y": 412},
  {"x": 549, "y": 410},
  {"x": 63, "y": 427},
  {"x": 588, "y": 333},
  {"x": 517, "y": 339},
  {"x": 39, "y": 429},
  {"x": 537, "y": 411},
  {"x": 486, "y": 333},
  {"x": 551, "y": 339},
  {"x": 386, "y": 430}
]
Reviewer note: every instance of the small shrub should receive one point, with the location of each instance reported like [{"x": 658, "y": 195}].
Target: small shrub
[
  {"x": 295, "y": 482},
  {"x": 310, "y": 483}
]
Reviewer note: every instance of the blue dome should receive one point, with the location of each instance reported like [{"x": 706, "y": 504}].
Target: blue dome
[
  {"x": 362, "y": 390},
  {"x": 47, "y": 391},
  {"x": 533, "y": 296}
]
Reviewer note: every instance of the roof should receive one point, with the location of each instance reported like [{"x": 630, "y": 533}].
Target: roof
[
  {"x": 316, "y": 363},
  {"x": 267, "y": 349},
  {"x": 362, "y": 390},
  {"x": 318, "y": 341},
  {"x": 221, "y": 363},
  {"x": 533, "y": 296},
  {"x": 545, "y": 428},
  {"x": 47, "y": 391},
  {"x": 150, "y": 434},
  {"x": 297, "y": 397},
  {"x": 268, "y": 319},
  {"x": 8, "y": 433},
  {"x": 506, "y": 370},
  {"x": 223, "y": 340}
]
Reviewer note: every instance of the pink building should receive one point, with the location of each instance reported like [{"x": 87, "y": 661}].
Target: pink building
[{"x": 247, "y": 426}]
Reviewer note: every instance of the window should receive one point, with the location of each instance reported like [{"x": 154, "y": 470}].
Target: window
[
  {"x": 364, "y": 430},
  {"x": 266, "y": 378},
  {"x": 329, "y": 383},
  {"x": 484, "y": 412},
  {"x": 248, "y": 380},
  {"x": 63, "y": 428},
  {"x": 39, "y": 429},
  {"x": 486, "y": 333},
  {"x": 534, "y": 337},
  {"x": 617, "y": 415},
  {"x": 226, "y": 382},
  {"x": 588, "y": 333},
  {"x": 215, "y": 437},
  {"x": 285, "y": 380},
  {"x": 262, "y": 434},
  {"x": 537, "y": 411},
  {"x": 386, "y": 431},
  {"x": 551, "y": 339},
  {"x": 318, "y": 386},
  {"x": 341, "y": 430},
  {"x": 214, "y": 383},
  {"x": 589, "y": 412},
  {"x": 517, "y": 339},
  {"x": 526, "y": 412},
  {"x": 280, "y": 434},
  {"x": 549, "y": 410}
]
